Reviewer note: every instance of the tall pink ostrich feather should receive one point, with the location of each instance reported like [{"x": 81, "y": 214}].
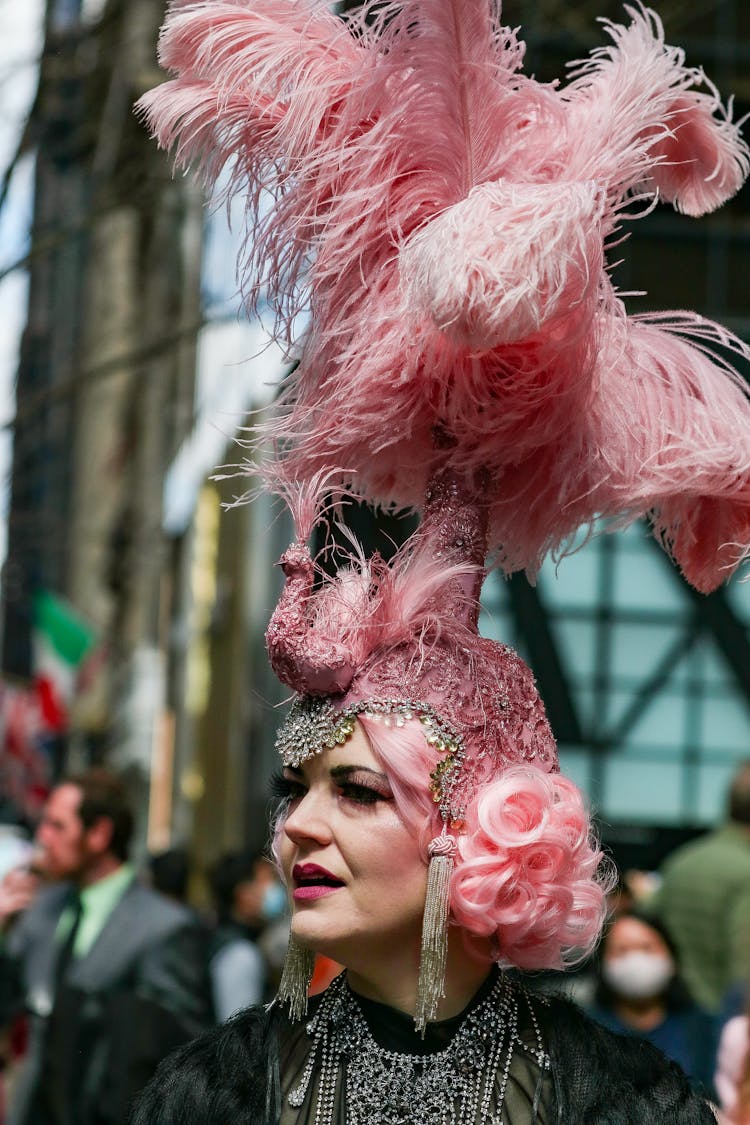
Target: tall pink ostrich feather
[{"x": 446, "y": 220}]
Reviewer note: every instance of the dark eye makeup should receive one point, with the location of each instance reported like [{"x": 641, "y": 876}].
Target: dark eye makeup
[
  {"x": 283, "y": 790},
  {"x": 361, "y": 784},
  {"x": 357, "y": 784},
  {"x": 362, "y": 794}
]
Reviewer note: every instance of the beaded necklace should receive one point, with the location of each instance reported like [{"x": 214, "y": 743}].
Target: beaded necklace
[{"x": 464, "y": 1084}]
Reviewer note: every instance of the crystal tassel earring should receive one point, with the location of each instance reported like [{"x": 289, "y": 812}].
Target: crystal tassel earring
[
  {"x": 431, "y": 984},
  {"x": 295, "y": 979}
]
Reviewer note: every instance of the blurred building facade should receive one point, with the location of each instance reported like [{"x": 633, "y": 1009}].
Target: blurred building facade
[
  {"x": 136, "y": 369},
  {"x": 111, "y": 508}
]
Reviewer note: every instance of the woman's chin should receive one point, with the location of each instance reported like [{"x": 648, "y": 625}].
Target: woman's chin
[
  {"x": 321, "y": 940},
  {"x": 310, "y": 933}
]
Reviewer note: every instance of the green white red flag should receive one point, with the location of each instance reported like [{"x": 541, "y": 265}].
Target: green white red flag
[{"x": 62, "y": 640}]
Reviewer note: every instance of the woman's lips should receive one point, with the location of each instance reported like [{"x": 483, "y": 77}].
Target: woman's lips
[
  {"x": 313, "y": 890},
  {"x": 312, "y": 881}
]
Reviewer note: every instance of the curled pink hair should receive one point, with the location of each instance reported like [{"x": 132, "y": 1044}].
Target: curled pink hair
[{"x": 527, "y": 872}]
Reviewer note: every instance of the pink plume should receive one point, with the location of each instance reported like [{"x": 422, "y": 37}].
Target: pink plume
[
  {"x": 660, "y": 438},
  {"x": 642, "y": 122},
  {"x": 518, "y": 253},
  {"x": 700, "y": 163},
  {"x": 308, "y": 500},
  {"x": 445, "y": 219},
  {"x": 258, "y": 83},
  {"x": 377, "y": 606},
  {"x": 691, "y": 469}
]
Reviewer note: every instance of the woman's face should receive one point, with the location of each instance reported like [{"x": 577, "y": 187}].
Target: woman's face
[
  {"x": 630, "y": 935},
  {"x": 637, "y": 964},
  {"x": 354, "y": 872}
]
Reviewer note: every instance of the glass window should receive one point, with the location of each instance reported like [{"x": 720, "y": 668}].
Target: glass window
[
  {"x": 663, "y": 718},
  {"x": 643, "y": 580},
  {"x": 727, "y": 724},
  {"x": 642, "y": 651},
  {"x": 648, "y": 790}
]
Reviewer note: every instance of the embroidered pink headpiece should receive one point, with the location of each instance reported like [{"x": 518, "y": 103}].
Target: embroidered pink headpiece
[
  {"x": 446, "y": 219},
  {"x": 402, "y": 641}
]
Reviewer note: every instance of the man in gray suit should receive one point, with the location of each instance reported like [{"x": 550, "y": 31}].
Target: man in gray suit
[{"x": 112, "y": 974}]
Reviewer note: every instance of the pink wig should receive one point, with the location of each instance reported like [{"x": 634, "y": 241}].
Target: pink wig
[{"x": 525, "y": 875}]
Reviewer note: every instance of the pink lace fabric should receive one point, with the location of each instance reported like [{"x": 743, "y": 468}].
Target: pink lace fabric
[
  {"x": 405, "y": 637},
  {"x": 482, "y": 690}
]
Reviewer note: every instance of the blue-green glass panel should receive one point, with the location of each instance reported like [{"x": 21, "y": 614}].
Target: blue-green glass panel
[
  {"x": 726, "y": 724},
  {"x": 646, "y": 792}
]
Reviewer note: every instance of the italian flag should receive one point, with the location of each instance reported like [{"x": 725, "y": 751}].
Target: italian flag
[{"x": 61, "y": 642}]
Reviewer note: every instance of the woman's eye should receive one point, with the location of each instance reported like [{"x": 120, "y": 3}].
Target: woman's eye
[
  {"x": 285, "y": 790},
  {"x": 360, "y": 794}
]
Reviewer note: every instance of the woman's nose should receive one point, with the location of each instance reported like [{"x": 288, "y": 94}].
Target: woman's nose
[{"x": 308, "y": 819}]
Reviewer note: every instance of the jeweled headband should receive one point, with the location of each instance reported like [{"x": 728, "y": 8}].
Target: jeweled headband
[{"x": 314, "y": 724}]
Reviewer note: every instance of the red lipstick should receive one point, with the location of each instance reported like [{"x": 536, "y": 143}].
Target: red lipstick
[{"x": 312, "y": 881}]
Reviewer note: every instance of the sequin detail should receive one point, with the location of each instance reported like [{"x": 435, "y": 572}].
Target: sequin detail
[
  {"x": 314, "y": 725},
  {"x": 384, "y": 635},
  {"x": 464, "y": 1084}
]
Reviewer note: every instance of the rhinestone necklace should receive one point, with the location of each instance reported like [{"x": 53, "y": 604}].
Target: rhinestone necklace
[{"x": 464, "y": 1084}]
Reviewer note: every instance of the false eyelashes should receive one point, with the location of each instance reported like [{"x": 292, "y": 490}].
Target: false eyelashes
[{"x": 281, "y": 790}]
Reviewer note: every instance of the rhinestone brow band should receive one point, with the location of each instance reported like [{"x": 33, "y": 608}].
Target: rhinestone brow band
[{"x": 314, "y": 725}]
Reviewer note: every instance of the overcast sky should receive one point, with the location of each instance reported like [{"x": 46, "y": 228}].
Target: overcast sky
[{"x": 20, "y": 43}]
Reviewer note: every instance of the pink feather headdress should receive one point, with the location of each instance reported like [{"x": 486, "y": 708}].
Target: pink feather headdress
[{"x": 445, "y": 220}]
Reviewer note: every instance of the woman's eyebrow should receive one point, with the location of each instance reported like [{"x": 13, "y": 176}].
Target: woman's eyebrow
[{"x": 346, "y": 771}]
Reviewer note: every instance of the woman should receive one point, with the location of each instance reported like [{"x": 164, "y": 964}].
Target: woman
[
  {"x": 425, "y": 835},
  {"x": 443, "y": 220},
  {"x": 351, "y": 844},
  {"x": 640, "y": 993}
]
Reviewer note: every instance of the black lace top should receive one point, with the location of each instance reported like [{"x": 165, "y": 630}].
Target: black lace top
[
  {"x": 242, "y": 1072},
  {"x": 523, "y": 1090}
]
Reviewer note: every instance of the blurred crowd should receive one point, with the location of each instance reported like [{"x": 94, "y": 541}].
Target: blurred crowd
[
  {"x": 673, "y": 964},
  {"x": 105, "y": 969}
]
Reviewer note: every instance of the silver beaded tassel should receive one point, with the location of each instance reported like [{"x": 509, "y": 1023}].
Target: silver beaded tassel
[
  {"x": 431, "y": 984},
  {"x": 295, "y": 979}
]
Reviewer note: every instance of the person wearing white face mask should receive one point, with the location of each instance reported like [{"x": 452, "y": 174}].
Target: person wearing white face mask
[{"x": 641, "y": 993}]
